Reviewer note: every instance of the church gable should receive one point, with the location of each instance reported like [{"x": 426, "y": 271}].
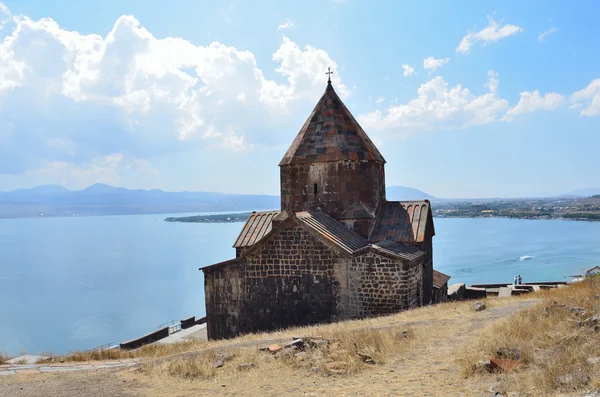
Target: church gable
[
  {"x": 404, "y": 222},
  {"x": 290, "y": 250}
]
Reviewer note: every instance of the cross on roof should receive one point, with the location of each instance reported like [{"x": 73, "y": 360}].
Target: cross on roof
[{"x": 329, "y": 73}]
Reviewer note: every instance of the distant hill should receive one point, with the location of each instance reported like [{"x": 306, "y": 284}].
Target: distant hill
[
  {"x": 102, "y": 199},
  {"x": 403, "y": 193},
  {"x": 587, "y": 192}
]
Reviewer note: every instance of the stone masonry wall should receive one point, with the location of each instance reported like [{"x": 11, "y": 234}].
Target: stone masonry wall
[
  {"x": 288, "y": 281},
  {"x": 225, "y": 294},
  {"x": 335, "y": 186},
  {"x": 381, "y": 285},
  {"x": 414, "y": 279}
]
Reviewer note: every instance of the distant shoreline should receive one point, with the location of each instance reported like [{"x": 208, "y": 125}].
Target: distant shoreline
[{"x": 243, "y": 217}]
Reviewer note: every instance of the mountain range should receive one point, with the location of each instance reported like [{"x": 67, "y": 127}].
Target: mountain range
[{"x": 102, "y": 199}]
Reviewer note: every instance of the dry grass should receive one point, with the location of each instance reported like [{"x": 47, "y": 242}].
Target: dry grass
[
  {"x": 554, "y": 347},
  {"x": 345, "y": 354},
  {"x": 157, "y": 350},
  {"x": 3, "y": 359},
  {"x": 383, "y": 339},
  {"x": 152, "y": 351}
]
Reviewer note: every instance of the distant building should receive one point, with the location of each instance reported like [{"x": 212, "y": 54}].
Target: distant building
[
  {"x": 593, "y": 271},
  {"x": 440, "y": 286},
  {"x": 337, "y": 249}
]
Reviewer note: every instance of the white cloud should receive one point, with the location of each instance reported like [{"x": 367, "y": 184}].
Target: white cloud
[
  {"x": 286, "y": 25},
  {"x": 380, "y": 100},
  {"x": 587, "y": 99},
  {"x": 408, "y": 70},
  {"x": 545, "y": 34},
  {"x": 72, "y": 98},
  {"x": 491, "y": 33},
  {"x": 438, "y": 106},
  {"x": 433, "y": 64},
  {"x": 532, "y": 101},
  {"x": 110, "y": 169}
]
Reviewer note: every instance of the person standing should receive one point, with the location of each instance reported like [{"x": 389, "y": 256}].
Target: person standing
[
  {"x": 515, "y": 280},
  {"x": 520, "y": 280}
]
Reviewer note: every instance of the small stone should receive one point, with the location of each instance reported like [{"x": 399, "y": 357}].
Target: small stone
[
  {"x": 315, "y": 369},
  {"x": 218, "y": 364},
  {"x": 296, "y": 343},
  {"x": 510, "y": 353},
  {"x": 590, "y": 321},
  {"x": 227, "y": 356},
  {"x": 478, "y": 306},
  {"x": 484, "y": 366},
  {"x": 370, "y": 361},
  {"x": 494, "y": 387},
  {"x": 593, "y": 360},
  {"x": 504, "y": 365},
  {"x": 564, "y": 380},
  {"x": 285, "y": 351},
  {"x": 579, "y": 311},
  {"x": 274, "y": 348}
]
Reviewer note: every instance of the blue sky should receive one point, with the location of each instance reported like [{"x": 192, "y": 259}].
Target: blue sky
[{"x": 463, "y": 98}]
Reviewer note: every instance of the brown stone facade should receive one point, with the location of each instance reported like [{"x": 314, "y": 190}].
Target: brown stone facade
[
  {"x": 334, "y": 186},
  {"x": 292, "y": 278},
  {"x": 287, "y": 280},
  {"x": 381, "y": 285}
]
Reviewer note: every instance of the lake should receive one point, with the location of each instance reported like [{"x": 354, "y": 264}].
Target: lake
[{"x": 77, "y": 283}]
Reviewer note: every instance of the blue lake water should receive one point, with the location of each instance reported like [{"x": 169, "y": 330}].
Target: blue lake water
[{"x": 77, "y": 283}]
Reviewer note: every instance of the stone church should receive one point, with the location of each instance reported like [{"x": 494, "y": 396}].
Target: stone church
[{"x": 337, "y": 249}]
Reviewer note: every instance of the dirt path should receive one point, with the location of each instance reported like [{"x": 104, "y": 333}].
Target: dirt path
[{"x": 427, "y": 368}]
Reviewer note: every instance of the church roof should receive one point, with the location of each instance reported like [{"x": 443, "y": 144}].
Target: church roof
[
  {"x": 357, "y": 211},
  {"x": 403, "y": 222},
  {"x": 256, "y": 227},
  {"x": 332, "y": 230},
  {"x": 402, "y": 251},
  {"x": 331, "y": 133},
  {"x": 439, "y": 279}
]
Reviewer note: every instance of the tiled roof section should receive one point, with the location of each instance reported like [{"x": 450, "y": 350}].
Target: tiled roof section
[
  {"x": 402, "y": 222},
  {"x": 357, "y": 211},
  {"x": 402, "y": 251},
  {"x": 256, "y": 227},
  {"x": 331, "y": 134},
  {"x": 439, "y": 279},
  {"x": 332, "y": 230}
]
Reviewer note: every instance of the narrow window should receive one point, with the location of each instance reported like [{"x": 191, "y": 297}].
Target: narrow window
[{"x": 315, "y": 189}]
